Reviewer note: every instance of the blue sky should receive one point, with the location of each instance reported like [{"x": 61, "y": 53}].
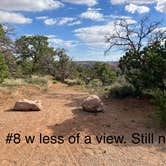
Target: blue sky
[{"x": 77, "y": 25}]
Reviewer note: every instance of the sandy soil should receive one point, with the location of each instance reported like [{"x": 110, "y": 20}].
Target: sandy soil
[{"x": 62, "y": 116}]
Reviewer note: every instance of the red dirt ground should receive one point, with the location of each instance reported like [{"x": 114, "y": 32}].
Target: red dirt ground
[{"x": 62, "y": 116}]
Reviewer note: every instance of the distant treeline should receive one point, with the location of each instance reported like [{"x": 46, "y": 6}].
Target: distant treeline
[{"x": 32, "y": 55}]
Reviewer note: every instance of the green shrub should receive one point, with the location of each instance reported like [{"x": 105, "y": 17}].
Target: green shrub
[
  {"x": 4, "y": 72},
  {"x": 80, "y": 82},
  {"x": 95, "y": 83},
  {"x": 54, "y": 81},
  {"x": 14, "y": 82},
  {"x": 121, "y": 90},
  {"x": 104, "y": 73},
  {"x": 160, "y": 103},
  {"x": 37, "y": 81},
  {"x": 72, "y": 82}
]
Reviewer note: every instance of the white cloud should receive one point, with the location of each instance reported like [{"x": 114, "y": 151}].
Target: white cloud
[
  {"x": 65, "y": 20},
  {"x": 29, "y": 5},
  {"x": 70, "y": 21},
  {"x": 10, "y": 17},
  {"x": 120, "y": 17},
  {"x": 41, "y": 17},
  {"x": 74, "y": 23},
  {"x": 50, "y": 21},
  {"x": 133, "y": 1},
  {"x": 114, "y": 2},
  {"x": 135, "y": 8},
  {"x": 82, "y": 2},
  {"x": 57, "y": 42},
  {"x": 92, "y": 14},
  {"x": 161, "y": 6},
  {"x": 94, "y": 36},
  {"x": 161, "y": 29}
]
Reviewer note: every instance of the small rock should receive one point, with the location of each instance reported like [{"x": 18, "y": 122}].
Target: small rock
[
  {"x": 27, "y": 105},
  {"x": 93, "y": 104},
  {"x": 104, "y": 151},
  {"x": 108, "y": 125},
  {"x": 133, "y": 121}
]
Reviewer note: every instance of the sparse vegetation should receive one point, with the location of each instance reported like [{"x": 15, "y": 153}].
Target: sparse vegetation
[
  {"x": 160, "y": 103},
  {"x": 14, "y": 82},
  {"x": 35, "y": 80},
  {"x": 120, "y": 89},
  {"x": 3, "y": 69},
  {"x": 95, "y": 83}
]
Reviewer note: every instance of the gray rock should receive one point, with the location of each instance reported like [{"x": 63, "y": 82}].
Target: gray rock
[
  {"x": 27, "y": 105},
  {"x": 93, "y": 104}
]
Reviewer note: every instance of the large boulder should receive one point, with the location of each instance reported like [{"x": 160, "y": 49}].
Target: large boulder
[
  {"x": 27, "y": 105},
  {"x": 93, "y": 104}
]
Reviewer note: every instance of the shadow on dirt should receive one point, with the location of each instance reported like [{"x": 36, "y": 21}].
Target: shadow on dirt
[
  {"x": 121, "y": 118},
  {"x": 13, "y": 110},
  {"x": 82, "y": 121}
]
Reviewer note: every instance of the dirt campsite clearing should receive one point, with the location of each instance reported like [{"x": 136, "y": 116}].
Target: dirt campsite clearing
[{"x": 62, "y": 116}]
